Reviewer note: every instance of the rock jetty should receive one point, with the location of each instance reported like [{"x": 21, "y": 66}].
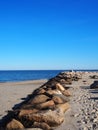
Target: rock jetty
[{"x": 45, "y": 107}]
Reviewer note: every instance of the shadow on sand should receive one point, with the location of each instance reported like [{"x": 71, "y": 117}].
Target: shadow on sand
[{"x": 85, "y": 87}]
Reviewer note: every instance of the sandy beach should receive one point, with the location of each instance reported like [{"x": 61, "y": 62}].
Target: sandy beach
[
  {"x": 83, "y": 112},
  {"x": 12, "y": 93}
]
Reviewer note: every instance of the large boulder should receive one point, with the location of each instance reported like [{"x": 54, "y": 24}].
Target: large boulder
[
  {"x": 52, "y": 118},
  {"x": 52, "y": 92},
  {"x": 14, "y": 125},
  {"x": 39, "y": 91},
  {"x": 46, "y": 105},
  {"x": 66, "y": 93},
  {"x": 60, "y": 87},
  {"x": 63, "y": 107},
  {"x": 24, "y": 112},
  {"x": 57, "y": 99},
  {"x": 38, "y": 99}
]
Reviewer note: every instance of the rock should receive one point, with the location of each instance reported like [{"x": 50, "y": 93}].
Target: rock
[
  {"x": 14, "y": 125},
  {"x": 27, "y": 106},
  {"x": 42, "y": 125},
  {"x": 94, "y": 85},
  {"x": 51, "y": 92},
  {"x": 39, "y": 99},
  {"x": 85, "y": 128},
  {"x": 40, "y": 91},
  {"x": 76, "y": 76},
  {"x": 63, "y": 107},
  {"x": 94, "y": 76},
  {"x": 46, "y": 105},
  {"x": 24, "y": 112},
  {"x": 57, "y": 99},
  {"x": 66, "y": 93},
  {"x": 76, "y": 115},
  {"x": 52, "y": 118},
  {"x": 64, "y": 98},
  {"x": 94, "y": 126},
  {"x": 60, "y": 87},
  {"x": 95, "y": 120}
]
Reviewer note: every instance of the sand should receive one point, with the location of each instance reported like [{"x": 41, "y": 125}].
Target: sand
[
  {"x": 14, "y": 93},
  {"x": 83, "y": 113}
]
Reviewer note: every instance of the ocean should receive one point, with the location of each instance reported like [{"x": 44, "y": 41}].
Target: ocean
[{"x": 23, "y": 75}]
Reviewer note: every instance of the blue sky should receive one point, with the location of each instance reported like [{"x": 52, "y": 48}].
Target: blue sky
[{"x": 48, "y": 34}]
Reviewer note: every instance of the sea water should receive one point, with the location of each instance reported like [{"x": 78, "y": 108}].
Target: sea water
[{"x": 23, "y": 75}]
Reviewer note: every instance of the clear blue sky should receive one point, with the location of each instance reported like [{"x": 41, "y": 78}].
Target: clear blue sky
[{"x": 48, "y": 34}]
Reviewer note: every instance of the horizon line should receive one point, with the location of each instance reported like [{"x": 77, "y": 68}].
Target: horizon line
[{"x": 43, "y": 69}]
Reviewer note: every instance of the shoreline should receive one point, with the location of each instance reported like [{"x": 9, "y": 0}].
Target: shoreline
[{"x": 23, "y": 82}]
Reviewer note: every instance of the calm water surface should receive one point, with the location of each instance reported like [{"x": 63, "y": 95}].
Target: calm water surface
[{"x": 22, "y": 75}]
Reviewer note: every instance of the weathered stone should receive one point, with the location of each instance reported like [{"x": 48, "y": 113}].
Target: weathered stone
[
  {"x": 14, "y": 125},
  {"x": 52, "y": 118},
  {"x": 39, "y": 99},
  {"x": 27, "y": 106},
  {"x": 24, "y": 112},
  {"x": 46, "y": 105},
  {"x": 41, "y": 91},
  {"x": 51, "y": 92},
  {"x": 60, "y": 87},
  {"x": 57, "y": 100},
  {"x": 42, "y": 125},
  {"x": 64, "y": 98},
  {"x": 63, "y": 107},
  {"x": 66, "y": 93}
]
